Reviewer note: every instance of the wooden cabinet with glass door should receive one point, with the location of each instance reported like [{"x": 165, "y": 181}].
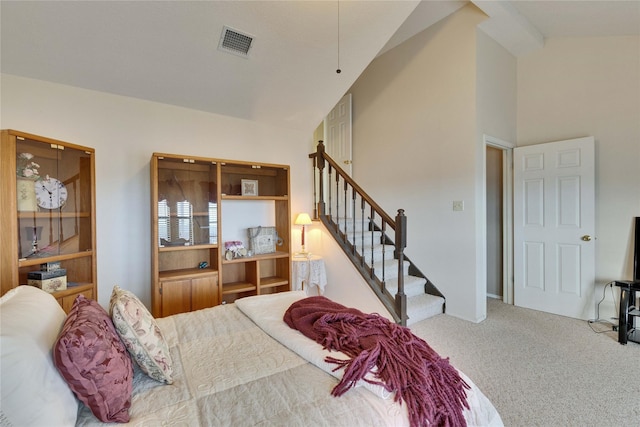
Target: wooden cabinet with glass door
[
  {"x": 184, "y": 218},
  {"x": 189, "y": 267},
  {"x": 48, "y": 196}
]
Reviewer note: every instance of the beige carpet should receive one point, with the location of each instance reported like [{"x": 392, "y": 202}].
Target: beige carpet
[{"x": 540, "y": 369}]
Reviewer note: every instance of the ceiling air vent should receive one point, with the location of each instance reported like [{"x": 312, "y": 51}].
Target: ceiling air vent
[{"x": 235, "y": 42}]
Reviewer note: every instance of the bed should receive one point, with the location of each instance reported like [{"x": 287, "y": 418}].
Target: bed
[{"x": 230, "y": 365}]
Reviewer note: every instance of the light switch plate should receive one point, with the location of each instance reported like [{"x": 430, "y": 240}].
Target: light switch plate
[{"x": 458, "y": 205}]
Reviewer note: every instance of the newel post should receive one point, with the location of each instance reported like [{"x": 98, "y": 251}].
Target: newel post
[
  {"x": 320, "y": 162},
  {"x": 401, "y": 243}
]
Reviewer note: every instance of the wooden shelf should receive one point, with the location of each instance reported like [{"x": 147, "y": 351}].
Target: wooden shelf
[
  {"x": 185, "y": 188},
  {"x": 272, "y": 282},
  {"x": 236, "y": 197},
  {"x": 72, "y": 289},
  {"x": 27, "y": 262},
  {"x": 244, "y": 168},
  {"x": 187, "y": 273},
  {"x": 238, "y": 287},
  {"x": 185, "y": 248},
  {"x": 261, "y": 257},
  {"x": 52, "y": 214}
]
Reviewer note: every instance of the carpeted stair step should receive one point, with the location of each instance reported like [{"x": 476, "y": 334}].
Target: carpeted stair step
[
  {"x": 365, "y": 239},
  {"x": 413, "y": 286},
  {"x": 390, "y": 269},
  {"x": 349, "y": 227},
  {"x": 377, "y": 253},
  {"x": 350, "y": 224},
  {"x": 422, "y": 307}
]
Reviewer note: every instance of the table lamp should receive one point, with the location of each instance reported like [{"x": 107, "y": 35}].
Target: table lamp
[{"x": 303, "y": 219}]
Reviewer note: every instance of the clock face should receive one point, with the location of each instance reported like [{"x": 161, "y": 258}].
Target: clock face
[{"x": 50, "y": 193}]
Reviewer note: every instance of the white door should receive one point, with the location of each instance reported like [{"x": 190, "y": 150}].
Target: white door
[
  {"x": 337, "y": 133},
  {"x": 554, "y": 225}
]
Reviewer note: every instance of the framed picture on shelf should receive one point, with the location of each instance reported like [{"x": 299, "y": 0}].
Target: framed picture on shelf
[{"x": 249, "y": 187}]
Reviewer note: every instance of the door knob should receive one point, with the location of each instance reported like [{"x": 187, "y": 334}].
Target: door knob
[
  {"x": 586, "y": 238},
  {"x": 347, "y": 162}
]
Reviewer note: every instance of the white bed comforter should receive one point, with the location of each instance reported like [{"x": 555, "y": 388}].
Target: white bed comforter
[{"x": 229, "y": 372}]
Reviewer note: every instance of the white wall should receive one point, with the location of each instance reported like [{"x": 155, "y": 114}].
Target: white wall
[
  {"x": 415, "y": 147},
  {"x": 496, "y": 105},
  {"x": 124, "y": 132},
  {"x": 348, "y": 287},
  {"x": 496, "y": 90},
  {"x": 576, "y": 87}
]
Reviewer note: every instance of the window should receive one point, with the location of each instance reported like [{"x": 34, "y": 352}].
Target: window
[
  {"x": 185, "y": 221},
  {"x": 213, "y": 223},
  {"x": 164, "y": 227}
]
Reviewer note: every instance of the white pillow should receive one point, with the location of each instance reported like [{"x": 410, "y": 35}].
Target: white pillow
[{"x": 33, "y": 392}]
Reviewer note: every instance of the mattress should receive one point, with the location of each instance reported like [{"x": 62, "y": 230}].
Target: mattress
[{"x": 230, "y": 370}]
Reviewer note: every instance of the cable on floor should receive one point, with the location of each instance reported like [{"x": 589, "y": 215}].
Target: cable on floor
[{"x": 597, "y": 319}]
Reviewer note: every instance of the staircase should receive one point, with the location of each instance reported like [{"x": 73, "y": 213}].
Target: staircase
[
  {"x": 374, "y": 242},
  {"x": 379, "y": 257}
]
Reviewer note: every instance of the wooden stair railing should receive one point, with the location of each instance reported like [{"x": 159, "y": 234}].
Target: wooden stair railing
[{"x": 372, "y": 223}]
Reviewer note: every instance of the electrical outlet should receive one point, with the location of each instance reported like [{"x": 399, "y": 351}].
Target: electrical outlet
[{"x": 458, "y": 205}]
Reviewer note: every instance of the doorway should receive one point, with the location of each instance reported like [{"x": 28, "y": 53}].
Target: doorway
[
  {"x": 499, "y": 218},
  {"x": 495, "y": 201}
]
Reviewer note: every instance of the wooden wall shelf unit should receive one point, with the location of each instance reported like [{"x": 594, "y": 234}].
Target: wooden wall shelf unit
[
  {"x": 189, "y": 269},
  {"x": 34, "y": 228}
]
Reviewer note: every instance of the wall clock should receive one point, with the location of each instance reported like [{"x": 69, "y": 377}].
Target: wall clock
[{"x": 50, "y": 193}]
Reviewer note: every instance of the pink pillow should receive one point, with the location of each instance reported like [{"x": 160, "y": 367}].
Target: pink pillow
[{"x": 91, "y": 358}]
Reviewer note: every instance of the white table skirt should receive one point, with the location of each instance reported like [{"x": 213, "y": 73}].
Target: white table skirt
[{"x": 309, "y": 272}]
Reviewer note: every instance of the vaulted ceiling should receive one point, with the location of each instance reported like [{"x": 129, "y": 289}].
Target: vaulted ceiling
[{"x": 167, "y": 51}]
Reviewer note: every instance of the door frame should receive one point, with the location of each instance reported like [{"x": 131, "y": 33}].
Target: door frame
[{"x": 507, "y": 210}]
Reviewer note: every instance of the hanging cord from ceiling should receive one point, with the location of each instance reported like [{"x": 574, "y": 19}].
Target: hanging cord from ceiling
[{"x": 338, "y": 70}]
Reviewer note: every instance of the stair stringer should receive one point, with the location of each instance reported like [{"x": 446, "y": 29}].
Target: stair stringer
[
  {"x": 374, "y": 283},
  {"x": 390, "y": 301}
]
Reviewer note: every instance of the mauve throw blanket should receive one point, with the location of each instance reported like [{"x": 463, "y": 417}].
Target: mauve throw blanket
[{"x": 431, "y": 388}]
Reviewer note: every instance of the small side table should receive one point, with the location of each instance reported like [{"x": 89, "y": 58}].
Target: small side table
[
  {"x": 308, "y": 272},
  {"x": 626, "y": 330}
]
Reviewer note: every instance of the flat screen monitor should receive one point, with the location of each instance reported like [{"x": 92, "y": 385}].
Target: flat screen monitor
[{"x": 636, "y": 251}]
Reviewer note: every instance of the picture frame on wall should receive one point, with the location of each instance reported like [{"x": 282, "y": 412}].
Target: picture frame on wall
[{"x": 249, "y": 187}]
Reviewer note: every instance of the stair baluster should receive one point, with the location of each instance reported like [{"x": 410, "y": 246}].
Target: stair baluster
[
  {"x": 345, "y": 230},
  {"x": 362, "y": 206},
  {"x": 353, "y": 220}
]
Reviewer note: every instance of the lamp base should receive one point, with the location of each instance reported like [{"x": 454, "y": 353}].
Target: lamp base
[{"x": 303, "y": 254}]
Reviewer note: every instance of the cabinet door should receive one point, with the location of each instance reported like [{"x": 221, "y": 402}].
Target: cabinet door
[
  {"x": 54, "y": 203},
  {"x": 176, "y": 296},
  {"x": 67, "y": 301},
  {"x": 187, "y": 203},
  {"x": 204, "y": 292}
]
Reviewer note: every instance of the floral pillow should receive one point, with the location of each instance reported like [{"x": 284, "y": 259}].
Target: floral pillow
[
  {"x": 91, "y": 358},
  {"x": 140, "y": 334}
]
